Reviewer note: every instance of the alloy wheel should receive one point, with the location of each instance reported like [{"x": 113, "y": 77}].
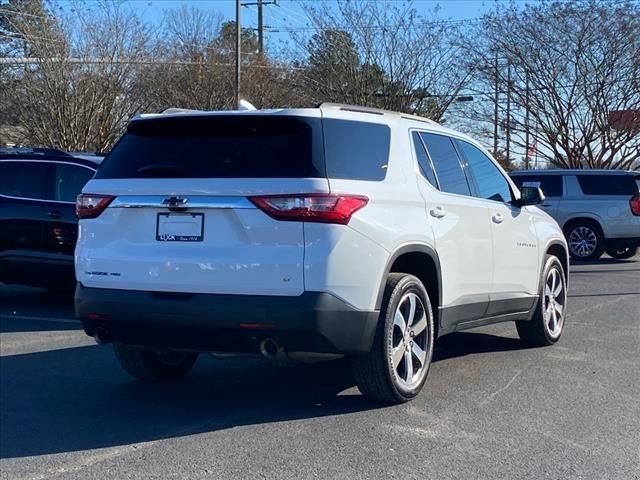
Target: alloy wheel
[
  {"x": 582, "y": 241},
  {"x": 554, "y": 302},
  {"x": 410, "y": 341}
]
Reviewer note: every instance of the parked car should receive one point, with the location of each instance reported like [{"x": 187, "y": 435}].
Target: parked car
[
  {"x": 598, "y": 210},
  {"x": 331, "y": 230},
  {"x": 38, "y": 189}
]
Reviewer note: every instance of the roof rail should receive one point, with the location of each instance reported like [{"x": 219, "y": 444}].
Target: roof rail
[
  {"x": 179, "y": 110},
  {"x": 52, "y": 152},
  {"x": 376, "y": 111}
]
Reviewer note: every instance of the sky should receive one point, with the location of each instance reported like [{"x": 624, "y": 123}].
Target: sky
[{"x": 290, "y": 13}]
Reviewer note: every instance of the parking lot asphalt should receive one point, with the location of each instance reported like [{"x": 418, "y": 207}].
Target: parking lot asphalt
[{"x": 491, "y": 408}]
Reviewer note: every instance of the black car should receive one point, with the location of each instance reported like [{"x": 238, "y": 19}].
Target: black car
[{"x": 38, "y": 223}]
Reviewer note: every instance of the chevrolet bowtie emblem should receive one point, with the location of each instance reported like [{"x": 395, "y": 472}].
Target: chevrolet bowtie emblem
[{"x": 175, "y": 201}]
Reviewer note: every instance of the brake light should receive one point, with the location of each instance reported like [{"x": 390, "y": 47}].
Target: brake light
[
  {"x": 89, "y": 205},
  {"x": 634, "y": 203},
  {"x": 311, "y": 207}
]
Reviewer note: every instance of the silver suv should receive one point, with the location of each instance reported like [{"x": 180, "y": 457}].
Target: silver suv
[{"x": 598, "y": 210}]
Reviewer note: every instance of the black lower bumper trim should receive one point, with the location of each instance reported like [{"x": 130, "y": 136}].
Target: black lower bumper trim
[
  {"x": 311, "y": 322},
  {"x": 623, "y": 242}
]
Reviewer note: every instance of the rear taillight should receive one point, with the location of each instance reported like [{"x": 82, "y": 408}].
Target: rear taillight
[
  {"x": 89, "y": 205},
  {"x": 634, "y": 203},
  {"x": 312, "y": 207}
]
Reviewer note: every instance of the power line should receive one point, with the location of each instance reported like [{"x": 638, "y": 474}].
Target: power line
[
  {"x": 383, "y": 27},
  {"x": 101, "y": 61}
]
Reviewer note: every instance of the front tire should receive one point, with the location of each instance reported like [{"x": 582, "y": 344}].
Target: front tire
[
  {"x": 396, "y": 368},
  {"x": 622, "y": 252},
  {"x": 548, "y": 320},
  {"x": 154, "y": 366}
]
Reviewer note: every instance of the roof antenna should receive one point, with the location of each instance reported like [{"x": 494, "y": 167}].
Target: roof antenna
[{"x": 244, "y": 105}]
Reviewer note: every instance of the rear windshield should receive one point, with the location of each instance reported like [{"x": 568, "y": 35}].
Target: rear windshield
[
  {"x": 608, "y": 184},
  {"x": 222, "y": 146},
  {"x": 245, "y": 146}
]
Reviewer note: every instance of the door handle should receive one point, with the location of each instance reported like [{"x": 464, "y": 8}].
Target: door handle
[
  {"x": 55, "y": 214},
  {"x": 497, "y": 218},
  {"x": 438, "y": 212}
]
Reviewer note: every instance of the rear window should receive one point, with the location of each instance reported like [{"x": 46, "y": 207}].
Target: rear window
[
  {"x": 356, "y": 150},
  {"x": 607, "y": 184},
  {"x": 221, "y": 146},
  {"x": 551, "y": 185}
]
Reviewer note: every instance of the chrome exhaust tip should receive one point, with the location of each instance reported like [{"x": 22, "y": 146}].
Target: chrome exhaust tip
[
  {"x": 269, "y": 348},
  {"x": 101, "y": 336}
]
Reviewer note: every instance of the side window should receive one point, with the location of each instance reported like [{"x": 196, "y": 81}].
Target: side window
[
  {"x": 490, "y": 182},
  {"x": 607, "y": 184},
  {"x": 423, "y": 160},
  {"x": 356, "y": 150},
  {"x": 447, "y": 164},
  {"x": 69, "y": 180},
  {"x": 551, "y": 185},
  {"x": 26, "y": 180}
]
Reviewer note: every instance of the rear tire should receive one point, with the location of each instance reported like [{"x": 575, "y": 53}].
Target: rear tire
[
  {"x": 396, "y": 368},
  {"x": 585, "y": 240},
  {"x": 622, "y": 252},
  {"x": 154, "y": 366},
  {"x": 547, "y": 324}
]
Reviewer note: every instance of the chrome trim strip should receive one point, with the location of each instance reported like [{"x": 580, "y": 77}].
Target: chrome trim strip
[{"x": 193, "y": 201}]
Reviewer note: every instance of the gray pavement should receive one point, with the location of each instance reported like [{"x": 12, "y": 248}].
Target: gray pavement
[{"x": 491, "y": 408}]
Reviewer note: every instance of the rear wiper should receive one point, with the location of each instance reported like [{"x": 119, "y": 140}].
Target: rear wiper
[{"x": 163, "y": 170}]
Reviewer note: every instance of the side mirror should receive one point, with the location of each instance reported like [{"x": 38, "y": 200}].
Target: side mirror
[{"x": 530, "y": 196}]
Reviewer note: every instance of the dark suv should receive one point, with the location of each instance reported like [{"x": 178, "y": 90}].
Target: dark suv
[{"x": 38, "y": 223}]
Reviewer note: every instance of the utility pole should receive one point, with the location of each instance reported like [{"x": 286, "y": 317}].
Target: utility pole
[
  {"x": 260, "y": 29},
  {"x": 526, "y": 120},
  {"x": 495, "y": 108},
  {"x": 508, "y": 149},
  {"x": 260, "y": 4},
  {"x": 237, "y": 84}
]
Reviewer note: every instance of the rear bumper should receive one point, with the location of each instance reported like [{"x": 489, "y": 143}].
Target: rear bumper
[
  {"x": 37, "y": 269},
  {"x": 311, "y": 322}
]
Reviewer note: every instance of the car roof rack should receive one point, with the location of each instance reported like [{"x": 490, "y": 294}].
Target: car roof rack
[
  {"x": 375, "y": 111},
  {"x": 49, "y": 152}
]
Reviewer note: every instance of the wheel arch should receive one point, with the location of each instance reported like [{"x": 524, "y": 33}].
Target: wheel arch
[
  {"x": 583, "y": 217},
  {"x": 558, "y": 249},
  {"x": 423, "y": 262}
]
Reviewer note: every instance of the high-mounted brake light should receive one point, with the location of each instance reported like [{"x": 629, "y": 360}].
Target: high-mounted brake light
[
  {"x": 634, "y": 203},
  {"x": 89, "y": 205},
  {"x": 311, "y": 207}
]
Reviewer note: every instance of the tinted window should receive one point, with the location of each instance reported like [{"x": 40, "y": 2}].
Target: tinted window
[
  {"x": 490, "y": 182},
  {"x": 551, "y": 185},
  {"x": 445, "y": 160},
  {"x": 222, "y": 146},
  {"x": 607, "y": 184},
  {"x": 69, "y": 180},
  {"x": 423, "y": 160},
  {"x": 26, "y": 179},
  {"x": 356, "y": 150}
]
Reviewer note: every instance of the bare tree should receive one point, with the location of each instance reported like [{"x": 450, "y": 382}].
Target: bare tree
[
  {"x": 81, "y": 90},
  {"x": 197, "y": 66},
  {"x": 564, "y": 68},
  {"x": 382, "y": 54}
]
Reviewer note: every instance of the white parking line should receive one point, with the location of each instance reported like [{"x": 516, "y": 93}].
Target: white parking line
[{"x": 40, "y": 319}]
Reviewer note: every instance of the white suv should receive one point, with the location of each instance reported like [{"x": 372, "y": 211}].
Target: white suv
[{"x": 331, "y": 230}]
